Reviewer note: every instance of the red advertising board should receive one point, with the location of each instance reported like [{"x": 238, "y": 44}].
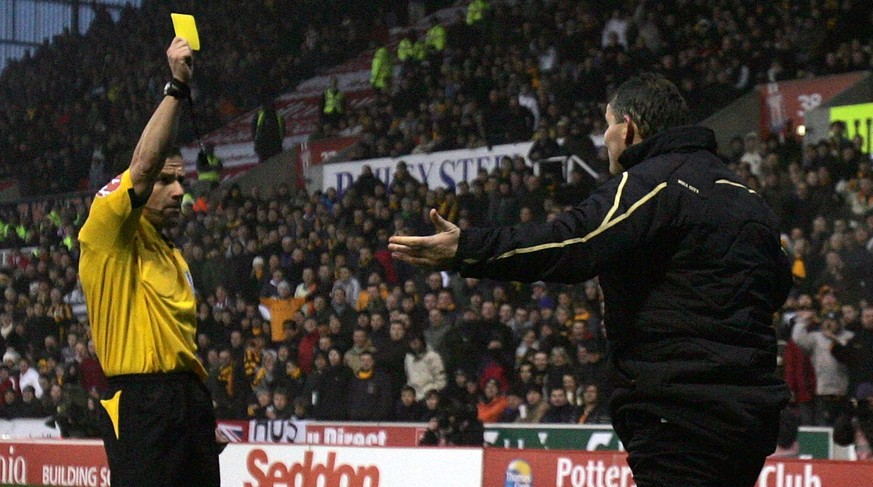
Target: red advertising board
[
  {"x": 53, "y": 462},
  {"x": 784, "y": 104},
  {"x": 532, "y": 468},
  {"x": 350, "y": 434}
]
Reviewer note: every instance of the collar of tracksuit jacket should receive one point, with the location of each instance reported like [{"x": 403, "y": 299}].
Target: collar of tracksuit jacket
[{"x": 688, "y": 138}]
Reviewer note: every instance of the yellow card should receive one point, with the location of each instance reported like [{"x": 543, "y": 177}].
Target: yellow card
[{"x": 186, "y": 28}]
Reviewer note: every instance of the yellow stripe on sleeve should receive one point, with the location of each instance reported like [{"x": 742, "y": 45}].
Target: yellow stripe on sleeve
[
  {"x": 727, "y": 181},
  {"x": 605, "y": 225}
]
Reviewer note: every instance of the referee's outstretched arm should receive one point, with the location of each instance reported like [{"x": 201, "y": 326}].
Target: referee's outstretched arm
[{"x": 160, "y": 133}]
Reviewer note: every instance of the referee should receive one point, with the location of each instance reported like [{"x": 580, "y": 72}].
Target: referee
[{"x": 159, "y": 426}]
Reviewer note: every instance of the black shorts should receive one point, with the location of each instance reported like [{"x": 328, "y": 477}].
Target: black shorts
[
  {"x": 164, "y": 433},
  {"x": 662, "y": 454}
]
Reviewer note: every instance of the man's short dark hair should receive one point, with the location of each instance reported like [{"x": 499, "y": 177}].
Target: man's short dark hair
[{"x": 652, "y": 101}]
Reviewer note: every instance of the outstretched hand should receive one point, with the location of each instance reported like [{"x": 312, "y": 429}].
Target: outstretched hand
[{"x": 436, "y": 251}]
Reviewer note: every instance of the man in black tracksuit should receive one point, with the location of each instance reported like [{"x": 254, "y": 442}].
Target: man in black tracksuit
[{"x": 691, "y": 268}]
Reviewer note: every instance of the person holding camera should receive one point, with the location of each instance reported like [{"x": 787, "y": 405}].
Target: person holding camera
[
  {"x": 456, "y": 425},
  {"x": 831, "y": 377}
]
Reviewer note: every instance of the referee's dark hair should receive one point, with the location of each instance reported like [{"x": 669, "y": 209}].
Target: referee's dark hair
[{"x": 652, "y": 101}]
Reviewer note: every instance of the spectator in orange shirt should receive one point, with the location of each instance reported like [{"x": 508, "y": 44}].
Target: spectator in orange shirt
[
  {"x": 280, "y": 309},
  {"x": 492, "y": 404}
]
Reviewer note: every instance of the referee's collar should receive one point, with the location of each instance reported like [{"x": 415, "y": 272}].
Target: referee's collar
[{"x": 160, "y": 233}]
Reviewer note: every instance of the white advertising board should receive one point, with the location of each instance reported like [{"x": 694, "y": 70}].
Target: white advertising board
[
  {"x": 439, "y": 169},
  {"x": 321, "y": 466}
]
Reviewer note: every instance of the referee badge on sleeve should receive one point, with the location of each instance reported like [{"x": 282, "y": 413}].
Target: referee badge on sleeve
[{"x": 110, "y": 187}]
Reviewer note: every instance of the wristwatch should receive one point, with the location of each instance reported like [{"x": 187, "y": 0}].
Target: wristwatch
[{"x": 177, "y": 89}]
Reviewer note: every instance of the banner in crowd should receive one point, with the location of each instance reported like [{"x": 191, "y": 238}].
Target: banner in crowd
[
  {"x": 263, "y": 431},
  {"x": 320, "y": 433},
  {"x": 438, "y": 169},
  {"x": 301, "y": 466},
  {"x": 814, "y": 442},
  {"x": 351, "y": 434},
  {"x": 538, "y": 468},
  {"x": 784, "y": 104},
  {"x": 29, "y": 428}
]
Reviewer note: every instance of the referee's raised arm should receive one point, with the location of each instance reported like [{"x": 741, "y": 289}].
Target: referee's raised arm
[{"x": 160, "y": 132}]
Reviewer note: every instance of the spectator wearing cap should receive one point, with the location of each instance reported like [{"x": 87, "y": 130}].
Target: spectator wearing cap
[
  {"x": 832, "y": 377},
  {"x": 424, "y": 367},
  {"x": 857, "y": 353}
]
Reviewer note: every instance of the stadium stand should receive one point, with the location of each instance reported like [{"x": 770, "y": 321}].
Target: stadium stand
[{"x": 295, "y": 288}]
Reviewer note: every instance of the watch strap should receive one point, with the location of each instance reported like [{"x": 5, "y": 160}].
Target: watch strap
[{"x": 177, "y": 89}]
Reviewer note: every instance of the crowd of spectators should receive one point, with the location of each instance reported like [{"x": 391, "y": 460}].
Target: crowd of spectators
[
  {"x": 304, "y": 315},
  {"x": 72, "y": 110},
  {"x": 75, "y": 106},
  {"x": 539, "y": 69}
]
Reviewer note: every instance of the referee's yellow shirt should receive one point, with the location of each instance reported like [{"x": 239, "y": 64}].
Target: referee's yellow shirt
[{"x": 138, "y": 289}]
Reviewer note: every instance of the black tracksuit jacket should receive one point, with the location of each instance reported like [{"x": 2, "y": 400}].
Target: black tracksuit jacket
[{"x": 692, "y": 270}]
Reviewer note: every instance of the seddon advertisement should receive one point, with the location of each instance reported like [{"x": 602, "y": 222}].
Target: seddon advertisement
[{"x": 321, "y": 466}]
